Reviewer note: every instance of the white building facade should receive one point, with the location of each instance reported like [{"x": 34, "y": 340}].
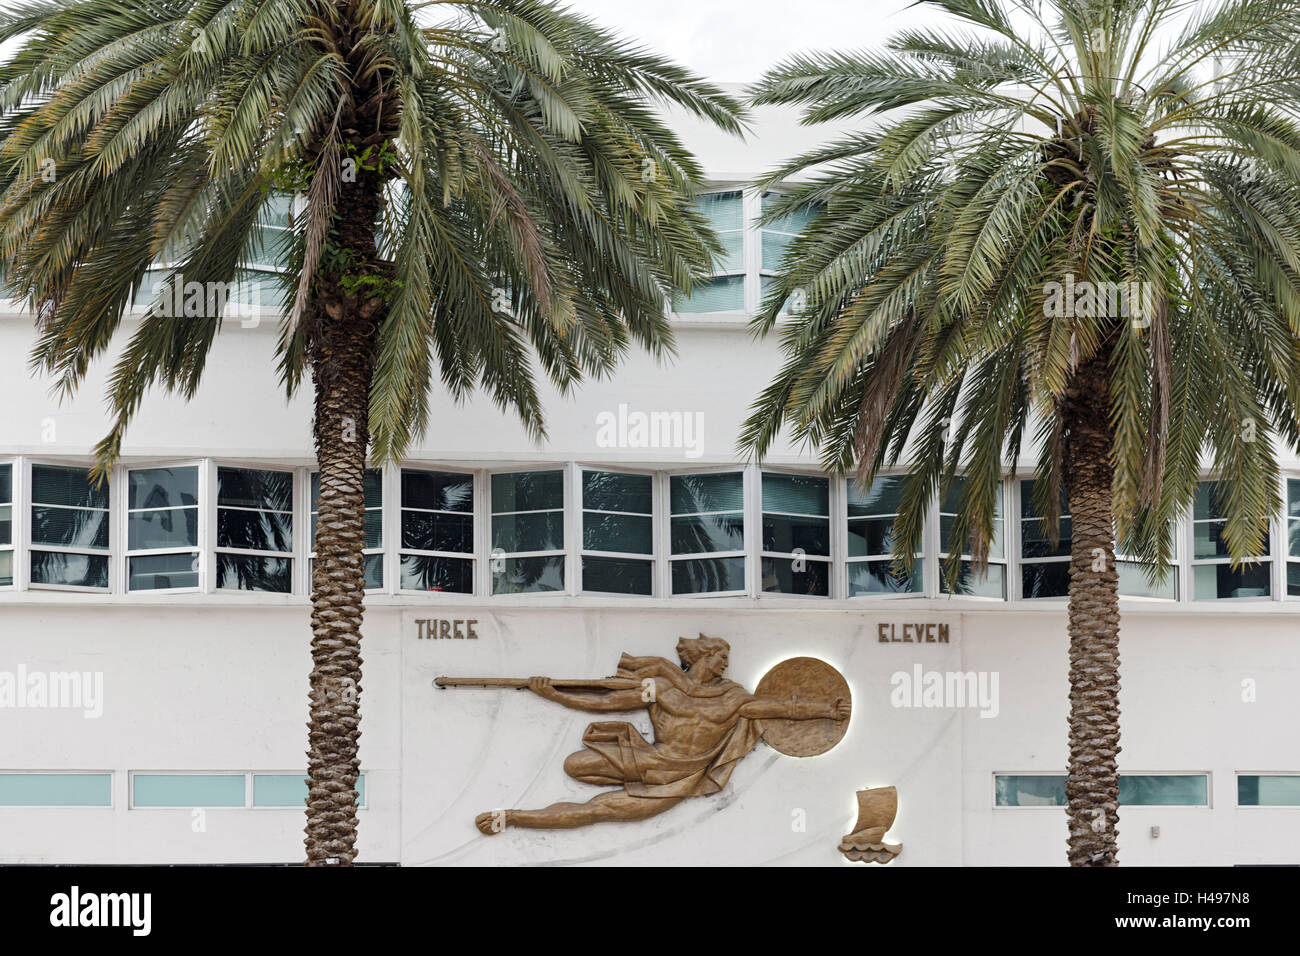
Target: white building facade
[{"x": 154, "y": 640}]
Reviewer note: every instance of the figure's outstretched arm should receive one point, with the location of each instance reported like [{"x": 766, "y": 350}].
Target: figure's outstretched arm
[
  {"x": 795, "y": 709},
  {"x": 592, "y": 701}
]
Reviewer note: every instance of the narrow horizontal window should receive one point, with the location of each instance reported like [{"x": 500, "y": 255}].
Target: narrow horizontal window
[
  {"x": 871, "y": 516},
  {"x": 1135, "y": 790},
  {"x": 527, "y": 532},
  {"x": 1268, "y": 790},
  {"x": 437, "y": 546},
  {"x": 188, "y": 790},
  {"x": 290, "y": 790},
  {"x": 56, "y": 789}
]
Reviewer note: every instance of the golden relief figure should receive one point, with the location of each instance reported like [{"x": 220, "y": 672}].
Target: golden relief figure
[{"x": 703, "y": 725}]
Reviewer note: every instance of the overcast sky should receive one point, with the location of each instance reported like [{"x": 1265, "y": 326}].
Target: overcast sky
[{"x": 736, "y": 40}]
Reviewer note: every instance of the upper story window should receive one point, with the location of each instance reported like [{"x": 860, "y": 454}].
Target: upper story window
[
  {"x": 1292, "y": 537},
  {"x": 871, "y": 516},
  {"x": 528, "y": 531},
  {"x": 1044, "y": 567},
  {"x": 775, "y": 238},
  {"x": 437, "y": 548},
  {"x": 162, "y": 528},
  {"x": 1213, "y": 575},
  {"x": 254, "y": 529},
  {"x": 373, "y": 485},
  {"x": 993, "y": 582},
  {"x": 617, "y": 533},
  {"x": 796, "y": 534},
  {"x": 6, "y": 524},
  {"x": 707, "y": 533},
  {"x": 725, "y": 292},
  {"x": 69, "y": 529}
]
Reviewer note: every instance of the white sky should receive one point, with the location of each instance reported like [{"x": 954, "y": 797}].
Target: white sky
[{"x": 735, "y": 41}]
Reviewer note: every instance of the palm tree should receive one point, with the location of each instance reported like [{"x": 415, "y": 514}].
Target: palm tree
[
  {"x": 478, "y": 192},
  {"x": 1143, "y": 157}
]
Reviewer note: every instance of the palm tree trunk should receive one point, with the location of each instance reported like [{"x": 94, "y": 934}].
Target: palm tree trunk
[
  {"x": 1092, "y": 786},
  {"x": 342, "y": 360}
]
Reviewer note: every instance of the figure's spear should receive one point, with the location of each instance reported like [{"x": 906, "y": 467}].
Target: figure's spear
[{"x": 608, "y": 683}]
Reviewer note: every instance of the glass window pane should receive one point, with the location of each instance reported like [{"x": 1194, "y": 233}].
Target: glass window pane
[
  {"x": 1133, "y": 582},
  {"x": 187, "y": 790},
  {"x": 870, "y": 537},
  {"x": 290, "y": 789},
  {"x": 884, "y": 497},
  {"x": 70, "y": 527},
  {"x": 991, "y": 584},
  {"x": 1048, "y": 580},
  {"x": 616, "y": 575},
  {"x": 706, "y": 575},
  {"x": 437, "y": 491},
  {"x": 1028, "y": 509},
  {"x": 721, "y": 294},
  {"x": 696, "y": 494},
  {"x": 796, "y": 494},
  {"x": 629, "y": 534},
  {"x": 611, "y": 491},
  {"x": 705, "y": 533},
  {"x": 812, "y": 577},
  {"x": 56, "y": 485},
  {"x": 809, "y": 535},
  {"x": 540, "y": 531},
  {"x": 153, "y": 572},
  {"x": 880, "y": 577},
  {"x": 1163, "y": 790},
  {"x": 723, "y": 210},
  {"x": 1029, "y": 790},
  {"x": 774, "y": 246},
  {"x": 1293, "y": 578},
  {"x": 6, "y": 482},
  {"x": 424, "y": 573},
  {"x": 56, "y": 789},
  {"x": 1268, "y": 790},
  {"x": 162, "y": 487},
  {"x": 255, "y": 488},
  {"x": 174, "y": 527},
  {"x": 1293, "y": 497},
  {"x": 1213, "y": 581},
  {"x": 526, "y": 575},
  {"x": 797, "y": 221},
  {"x": 527, "y": 491},
  {"x": 6, "y": 568},
  {"x": 1035, "y": 543},
  {"x": 241, "y": 572},
  {"x": 431, "y": 531},
  {"x": 70, "y": 570},
  {"x": 254, "y": 530},
  {"x": 6, "y": 524}
]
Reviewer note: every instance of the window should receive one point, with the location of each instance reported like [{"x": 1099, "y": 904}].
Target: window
[
  {"x": 774, "y": 240},
  {"x": 1133, "y": 578},
  {"x": 707, "y": 533},
  {"x": 162, "y": 528},
  {"x": 1268, "y": 789},
  {"x": 437, "y": 548},
  {"x": 56, "y": 789},
  {"x": 796, "y": 534},
  {"x": 725, "y": 292},
  {"x": 373, "y": 485},
  {"x": 228, "y": 790},
  {"x": 1044, "y": 569},
  {"x": 1292, "y": 537},
  {"x": 1213, "y": 576},
  {"x": 254, "y": 530},
  {"x": 871, "y": 515},
  {"x": 6, "y": 525},
  {"x": 617, "y": 533},
  {"x": 527, "y": 532},
  {"x": 69, "y": 530},
  {"x": 992, "y": 584},
  {"x": 1135, "y": 790}
]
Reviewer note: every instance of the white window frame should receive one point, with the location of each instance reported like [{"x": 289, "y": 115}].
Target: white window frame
[
  {"x": 1209, "y": 790},
  {"x": 393, "y": 532},
  {"x": 929, "y": 576},
  {"x": 747, "y": 260},
  {"x": 575, "y": 529},
  {"x": 298, "y": 581},
  {"x": 112, "y": 789},
  {"x": 748, "y": 496},
  {"x": 122, "y": 516},
  {"x": 30, "y": 547},
  {"x": 830, "y": 559},
  {"x": 1270, "y": 557},
  {"x": 566, "y": 552}
]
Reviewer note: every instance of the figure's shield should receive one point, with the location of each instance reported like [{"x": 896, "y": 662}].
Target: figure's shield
[{"x": 806, "y": 678}]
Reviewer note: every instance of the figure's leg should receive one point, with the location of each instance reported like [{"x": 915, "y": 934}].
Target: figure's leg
[
  {"x": 617, "y": 805},
  {"x": 589, "y": 766}
]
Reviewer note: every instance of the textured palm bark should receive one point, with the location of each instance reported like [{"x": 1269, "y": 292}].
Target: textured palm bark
[
  {"x": 342, "y": 359},
  {"x": 1092, "y": 785}
]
